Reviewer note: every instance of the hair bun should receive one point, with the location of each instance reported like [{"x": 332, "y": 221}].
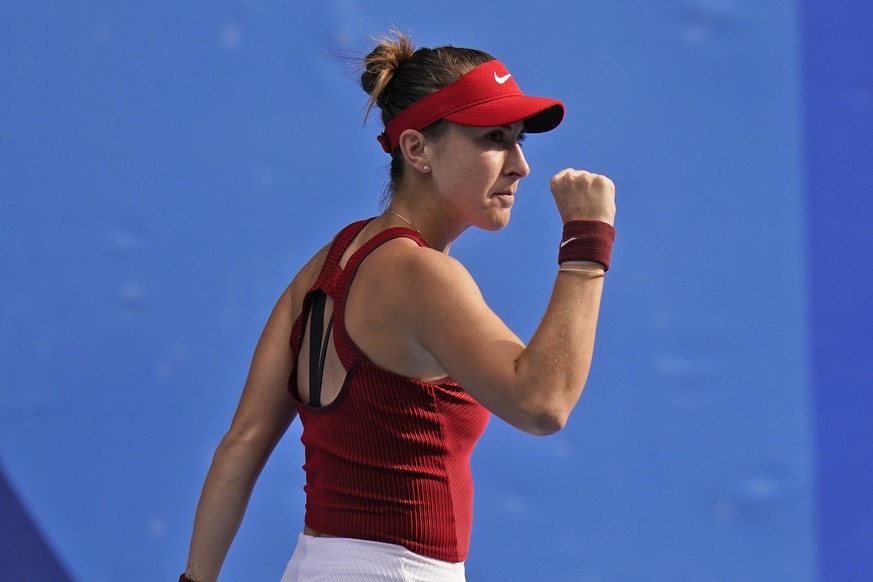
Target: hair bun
[{"x": 382, "y": 62}]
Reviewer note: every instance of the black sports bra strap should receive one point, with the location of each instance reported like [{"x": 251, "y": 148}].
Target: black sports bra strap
[{"x": 317, "y": 346}]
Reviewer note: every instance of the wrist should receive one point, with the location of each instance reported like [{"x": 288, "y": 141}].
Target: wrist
[
  {"x": 594, "y": 270},
  {"x": 587, "y": 216}
]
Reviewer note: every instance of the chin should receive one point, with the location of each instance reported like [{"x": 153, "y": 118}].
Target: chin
[{"x": 496, "y": 222}]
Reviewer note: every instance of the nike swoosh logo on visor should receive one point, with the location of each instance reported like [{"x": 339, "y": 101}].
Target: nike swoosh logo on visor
[{"x": 503, "y": 79}]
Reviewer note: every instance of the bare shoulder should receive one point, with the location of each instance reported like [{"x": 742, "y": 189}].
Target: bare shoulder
[
  {"x": 413, "y": 286},
  {"x": 398, "y": 289},
  {"x": 417, "y": 272},
  {"x": 407, "y": 258},
  {"x": 305, "y": 278}
]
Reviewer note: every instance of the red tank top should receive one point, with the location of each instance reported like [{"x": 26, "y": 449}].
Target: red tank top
[{"x": 389, "y": 459}]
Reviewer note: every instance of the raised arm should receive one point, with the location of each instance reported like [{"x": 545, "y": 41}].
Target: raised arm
[
  {"x": 532, "y": 387},
  {"x": 264, "y": 413}
]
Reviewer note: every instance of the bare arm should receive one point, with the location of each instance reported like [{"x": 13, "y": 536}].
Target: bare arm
[
  {"x": 532, "y": 387},
  {"x": 264, "y": 413}
]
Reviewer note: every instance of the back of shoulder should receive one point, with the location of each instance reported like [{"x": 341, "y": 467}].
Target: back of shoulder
[
  {"x": 422, "y": 270},
  {"x": 306, "y": 277}
]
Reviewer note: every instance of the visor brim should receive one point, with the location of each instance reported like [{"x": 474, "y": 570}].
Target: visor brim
[{"x": 539, "y": 114}]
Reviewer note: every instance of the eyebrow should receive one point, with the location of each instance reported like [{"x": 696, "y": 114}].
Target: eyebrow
[
  {"x": 509, "y": 128},
  {"x": 505, "y": 128}
]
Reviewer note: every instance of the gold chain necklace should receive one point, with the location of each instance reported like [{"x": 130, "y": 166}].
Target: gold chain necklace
[{"x": 410, "y": 223}]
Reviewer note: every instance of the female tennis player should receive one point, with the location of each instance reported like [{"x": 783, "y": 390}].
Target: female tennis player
[{"x": 384, "y": 347}]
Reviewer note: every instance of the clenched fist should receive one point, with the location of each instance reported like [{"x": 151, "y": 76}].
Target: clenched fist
[{"x": 582, "y": 195}]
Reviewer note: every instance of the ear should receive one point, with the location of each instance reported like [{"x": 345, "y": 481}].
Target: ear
[{"x": 414, "y": 144}]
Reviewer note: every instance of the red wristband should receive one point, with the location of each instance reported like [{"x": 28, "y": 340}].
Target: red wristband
[
  {"x": 185, "y": 578},
  {"x": 587, "y": 240}
]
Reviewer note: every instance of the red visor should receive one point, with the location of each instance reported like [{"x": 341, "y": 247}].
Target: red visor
[{"x": 486, "y": 96}]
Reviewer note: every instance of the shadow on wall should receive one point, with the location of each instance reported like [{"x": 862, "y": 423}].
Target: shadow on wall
[{"x": 23, "y": 551}]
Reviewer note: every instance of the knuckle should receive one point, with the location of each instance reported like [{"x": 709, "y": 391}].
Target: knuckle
[{"x": 604, "y": 182}]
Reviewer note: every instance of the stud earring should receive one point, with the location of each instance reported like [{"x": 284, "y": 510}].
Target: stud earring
[{"x": 426, "y": 168}]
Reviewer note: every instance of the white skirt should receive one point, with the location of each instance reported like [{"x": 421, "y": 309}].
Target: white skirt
[{"x": 327, "y": 559}]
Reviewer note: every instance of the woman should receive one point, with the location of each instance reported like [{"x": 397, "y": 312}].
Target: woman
[{"x": 395, "y": 360}]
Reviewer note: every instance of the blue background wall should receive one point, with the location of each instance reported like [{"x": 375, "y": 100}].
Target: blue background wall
[{"x": 166, "y": 167}]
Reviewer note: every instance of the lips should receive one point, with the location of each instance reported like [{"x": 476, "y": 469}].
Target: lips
[{"x": 507, "y": 199}]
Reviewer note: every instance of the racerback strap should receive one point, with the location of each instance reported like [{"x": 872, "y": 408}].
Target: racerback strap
[{"x": 317, "y": 346}]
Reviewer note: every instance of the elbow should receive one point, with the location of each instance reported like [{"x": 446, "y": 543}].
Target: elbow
[
  {"x": 549, "y": 423},
  {"x": 542, "y": 409},
  {"x": 243, "y": 447},
  {"x": 545, "y": 420},
  {"x": 547, "y": 412}
]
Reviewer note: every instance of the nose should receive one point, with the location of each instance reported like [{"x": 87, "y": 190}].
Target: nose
[{"x": 516, "y": 163}]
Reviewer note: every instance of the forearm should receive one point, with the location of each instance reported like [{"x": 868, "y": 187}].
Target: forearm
[
  {"x": 558, "y": 356},
  {"x": 560, "y": 352},
  {"x": 223, "y": 502},
  {"x": 264, "y": 413},
  {"x": 563, "y": 345},
  {"x": 554, "y": 366}
]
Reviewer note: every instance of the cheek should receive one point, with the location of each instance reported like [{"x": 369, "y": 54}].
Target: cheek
[
  {"x": 479, "y": 169},
  {"x": 470, "y": 171}
]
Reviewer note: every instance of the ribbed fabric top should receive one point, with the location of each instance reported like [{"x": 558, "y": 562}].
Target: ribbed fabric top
[{"x": 389, "y": 459}]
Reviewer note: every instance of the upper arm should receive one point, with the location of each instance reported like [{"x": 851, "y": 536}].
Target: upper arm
[
  {"x": 418, "y": 312},
  {"x": 266, "y": 409},
  {"x": 469, "y": 341}
]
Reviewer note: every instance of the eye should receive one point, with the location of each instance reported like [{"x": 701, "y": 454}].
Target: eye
[
  {"x": 496, "y": 136},
  {"x": 500, "y": 136}
]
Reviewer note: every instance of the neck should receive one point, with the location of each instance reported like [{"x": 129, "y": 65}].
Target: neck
[{"x": 438, "y": 231}]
